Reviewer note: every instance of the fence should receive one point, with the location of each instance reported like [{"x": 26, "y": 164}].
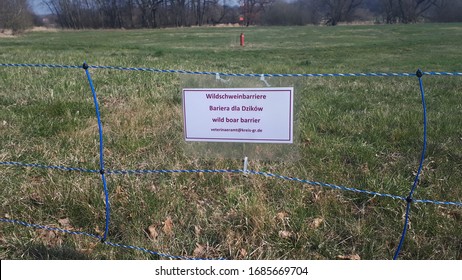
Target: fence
[{"x": 105, "y": 172}]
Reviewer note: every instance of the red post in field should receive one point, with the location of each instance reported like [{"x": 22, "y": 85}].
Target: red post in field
[{"x": 242, "y": 39}]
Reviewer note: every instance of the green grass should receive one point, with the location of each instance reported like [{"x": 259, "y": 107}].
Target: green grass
[{"x": 358, "y": 132}]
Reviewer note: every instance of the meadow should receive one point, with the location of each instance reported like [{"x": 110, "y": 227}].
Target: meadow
[{"x": 361, "y": 132}]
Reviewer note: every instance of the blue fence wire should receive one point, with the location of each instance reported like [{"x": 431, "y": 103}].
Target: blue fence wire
[
  {"x": 57, "y": 167},
  {"x": 379, "y": 74},
  {"x": 409, "y": 199},
  {"x": 419, "y": 170},
  {"x": 163, "y": 255},
  {"x": 101, "y": 152},
  {"x": 265, "y": 174}
]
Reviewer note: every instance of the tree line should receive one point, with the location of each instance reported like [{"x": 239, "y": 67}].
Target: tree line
[
  {"x": 15, "y": 15},
  {"x": 332, "y": 12},
  {"x": 79, "y": 14},
  {"x": 139, "y": 13}
]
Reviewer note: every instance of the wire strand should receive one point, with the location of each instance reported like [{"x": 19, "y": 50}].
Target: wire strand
[
  {"x": 101, "y": 152},
  {"x": 175, "y": 71},
  {"x": 422, "y": 159}
]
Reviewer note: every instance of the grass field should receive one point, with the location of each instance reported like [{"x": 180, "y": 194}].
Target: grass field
[{"x": 357, "y": 132}]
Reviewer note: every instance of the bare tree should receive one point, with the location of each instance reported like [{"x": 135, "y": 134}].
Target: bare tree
[
  {"x": 149, "y": 10},
  {"x": 411, "y": 10},
  {"x": 68, "y": 12},
  {"x": 299, "y": 12},
  {"x": 15, "y": 15},
  {"x": 340, "y": 10},
  {"x": 448, "y": 11},
  {"x": 252, "y": 9},
  {"x": 111, "y": 10},
  {"x": 209, "y": 11},
  {"x": 389, "y": 10}
]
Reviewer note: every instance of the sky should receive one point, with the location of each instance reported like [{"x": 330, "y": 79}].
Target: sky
[{"x": 38, "y": 7}]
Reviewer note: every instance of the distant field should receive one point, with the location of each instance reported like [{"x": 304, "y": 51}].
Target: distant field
[{"x": 364, "y": 133}]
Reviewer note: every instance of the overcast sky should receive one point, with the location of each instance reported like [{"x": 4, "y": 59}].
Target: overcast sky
[{"x": 38, "y": 7}]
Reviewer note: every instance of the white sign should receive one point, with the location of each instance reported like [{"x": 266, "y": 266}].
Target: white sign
[{"x": 252, "y": 115}]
